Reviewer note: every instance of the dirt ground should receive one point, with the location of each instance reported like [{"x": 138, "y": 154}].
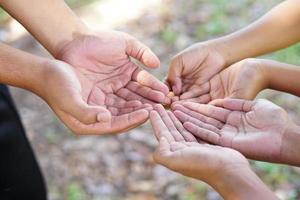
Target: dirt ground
[{"x": 120, "y": 166}]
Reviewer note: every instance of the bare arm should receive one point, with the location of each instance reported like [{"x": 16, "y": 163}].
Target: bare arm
[
  {"x": 51, "y": 22},
  {"x": 281, "y": 76},
  {"x": 277, "y": 29},
  {"x": 20, "y": 69}
]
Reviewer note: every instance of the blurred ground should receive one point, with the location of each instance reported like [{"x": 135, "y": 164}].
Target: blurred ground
[{"x": 120, "y": 167}]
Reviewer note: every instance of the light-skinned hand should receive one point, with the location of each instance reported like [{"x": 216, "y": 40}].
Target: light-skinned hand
[
  {"x": 257, "y": 129},
  {"x": 242, "y": 80}
]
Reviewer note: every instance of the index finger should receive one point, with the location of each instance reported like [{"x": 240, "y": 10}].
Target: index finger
[{"x": 159, "y": 127}]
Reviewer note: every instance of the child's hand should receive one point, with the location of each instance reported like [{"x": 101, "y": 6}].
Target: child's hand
[
  {"x": 244, "y": 79},
  {"x": 193, "y": 67},
  {"x": 180, "y": 151},
  {"x": 257, "y": 129},
  {"x": 225, "y": 169}
]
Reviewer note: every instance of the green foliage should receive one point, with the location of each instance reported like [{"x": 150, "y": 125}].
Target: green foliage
[
  {"x": 75, "y": 192},
  {"x": 78, "y": 3},
  {"x": 274, "y": 173},
  {"x": 169, "y": 36},
  {"x": 289, "y": 55},
  {"x": 3, "y": 15}
]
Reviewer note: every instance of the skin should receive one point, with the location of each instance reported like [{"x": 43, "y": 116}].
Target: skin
[
  {"x": 258, "y": 129},
  {"x": 186, "y": 157},
  {"x": 244, "y": 79},
  {"x": 197, "y": 64},
  {"x": 102, "y": 62},
  {"x": 111, "y": 72},
  {"x": 56, "y": 82}
]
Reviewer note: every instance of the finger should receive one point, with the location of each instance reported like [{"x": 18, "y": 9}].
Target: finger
[
  {"x": 147, "y": 92},
  {"x": 129, "y": 95},
  {"x": 174, "y": 75},
  {"x": 186, "y": 135},
  {"x": 202, "y": 133},
  {"x": 189, "y": 114},
  {"x": 141, "y": 52},
  {"x": 85, "y": 113},
  {"x": 118, "y": 102},
  {"x": 196, "y": 91},
  {"x": 145, "y": 78},
  {"x": 160, "y": 129},
  {"x": 168, "y": 122},
  {"x": 186, "y": 118},
  {"x": 233, "y": 104},
  {"x": 117, "y": 124},
  {"x": 217, "y": 113}
]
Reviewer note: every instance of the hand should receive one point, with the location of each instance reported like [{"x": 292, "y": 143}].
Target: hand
[
  {"x": 178, "y": 147},
  {"x": 242, "y": 80},
  {"x": 193, "y": 67},
  {"x": 110, "y": 79},
  {"x": 60, "y": 88},
  {"x": 222, "y": 168},
  {"x": 103, "y": 65},
  {"x": 254, "y": 128}
]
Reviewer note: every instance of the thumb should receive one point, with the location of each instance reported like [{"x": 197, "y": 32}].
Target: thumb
[
  {"x": 141, "y": 52},
  {"x": 163, "y": 151},
  {"x": 87, "y": 114},
  {"x": 174, "y": 76}
]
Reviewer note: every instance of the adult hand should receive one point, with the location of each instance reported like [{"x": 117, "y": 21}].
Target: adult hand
[
  {"x": 242, "y": 80},
  {"x": 209, "y": 163},
  {"x": 60, "y": 87},
  {"x": 255, "y": 128},
  {"x": 107, "y": 73}
]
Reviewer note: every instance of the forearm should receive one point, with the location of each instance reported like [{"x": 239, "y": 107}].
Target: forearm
[
  {"x": 277, "y": 29},
  {"x": 290, "y": 147},
  {"x": 281, "y": 76},
  {"x": 51, "y": 22},
  {"x": 19, "y": 69},
  {"x": 242, "y": 185}
]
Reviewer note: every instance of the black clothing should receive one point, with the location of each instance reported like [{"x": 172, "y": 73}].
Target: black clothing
[{"x": 20, "y": 176}]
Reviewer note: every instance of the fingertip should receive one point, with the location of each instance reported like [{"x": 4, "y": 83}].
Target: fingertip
[
  {"x": 150, "y": 60},
  {"x": 189, "y": 126},
  {"x": 104, "y": 117},
  {"x": 158, "y": 107},
  {"x": 153, "y": 113}
]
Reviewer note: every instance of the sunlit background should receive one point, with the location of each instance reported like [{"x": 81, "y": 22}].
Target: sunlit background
[{"x": 121, "y": 167}]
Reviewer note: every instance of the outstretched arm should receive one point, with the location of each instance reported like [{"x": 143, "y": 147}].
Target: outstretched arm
[
  {"x": 277, "y": 29},
  {"x": 52, "y": 23},
  {"x": 281, "y": 76}
]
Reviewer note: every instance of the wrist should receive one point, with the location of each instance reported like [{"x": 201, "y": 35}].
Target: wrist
[
  {"x": 226, "y": 49},
  {"x": 78, "y": 31},
  {"x": 290, "y": 147},
  {"x": 241, "y": 183}
]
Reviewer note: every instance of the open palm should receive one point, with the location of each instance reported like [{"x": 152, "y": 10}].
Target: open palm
[
  {"x": 255, "y": 128},
  {"x": 244, "y": 79},
  {"x": 110, "y": 79},
  {"x": 179, "y": 151},
  {"x": 192, "y": 68}
]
